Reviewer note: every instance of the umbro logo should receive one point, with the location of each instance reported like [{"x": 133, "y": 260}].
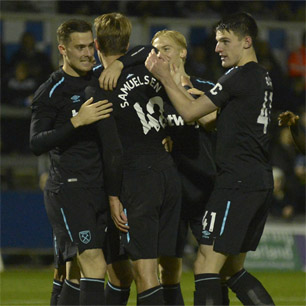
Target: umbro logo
[
  {"x": 75, "y": 99},
  {"x": 129, "y": 75}
]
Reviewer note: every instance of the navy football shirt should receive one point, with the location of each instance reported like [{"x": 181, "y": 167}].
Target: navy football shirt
[{"x": 244, "y": 95}]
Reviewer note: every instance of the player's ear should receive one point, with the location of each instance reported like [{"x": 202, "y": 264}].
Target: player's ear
[
  {"x": 62, "y": 49},
  {"x": 183, "y": 54},
  {"x": 248, "y": 42}
]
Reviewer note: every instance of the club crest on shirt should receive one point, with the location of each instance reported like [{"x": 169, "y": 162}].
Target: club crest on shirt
[
  {"x": 205, "y": 234},
  {"x": 85, "y": 236}
]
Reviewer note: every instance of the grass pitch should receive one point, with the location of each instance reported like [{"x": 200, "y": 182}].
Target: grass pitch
[{"x": 33, "y": 287}]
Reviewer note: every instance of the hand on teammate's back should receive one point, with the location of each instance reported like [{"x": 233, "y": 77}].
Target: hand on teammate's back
[{"x": 91, "y": 112}]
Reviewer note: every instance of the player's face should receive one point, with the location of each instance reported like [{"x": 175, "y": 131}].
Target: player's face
[
  {"x": 230, "y": 48},
  {"x": 78, "y": 54},
  {"x": 169, "y": 49}
]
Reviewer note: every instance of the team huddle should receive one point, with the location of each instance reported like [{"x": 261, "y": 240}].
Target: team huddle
[{"x": 140, "y": 152}]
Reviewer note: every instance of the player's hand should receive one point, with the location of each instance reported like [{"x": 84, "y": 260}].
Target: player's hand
[
  {"x": 158, "y": 66},
  {"x": 118, "y": 215},
  {"x": 287, "y": 119},
  {"x": 92, "y": 112},
  {"x": 168, "y": 144},
  {"x": 175, "y": 73},
  {"x": 185, "y": 81},
  {"x": 196, "y": 92},
  {"x": 110, "y": 75}
]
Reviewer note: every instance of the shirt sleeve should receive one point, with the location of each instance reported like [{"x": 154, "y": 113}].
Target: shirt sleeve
[
  {"x": 112, "y": 153},
  {"x": 43, "y": 135},
  {"x": 136, "y": 55},
  {"x": 218, "y": 95},
  {"x": 228, "y": 85}
]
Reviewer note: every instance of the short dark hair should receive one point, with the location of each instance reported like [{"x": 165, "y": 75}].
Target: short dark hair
[
  {"x": 241, "y": 23},
  {"x": 72, "y": 26}
]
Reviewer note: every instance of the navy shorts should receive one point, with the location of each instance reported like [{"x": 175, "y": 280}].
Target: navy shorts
[
  {"x": 152, "y": 200},
  {"x": 193, "y": 206},
  {"x": 58, "y": 257},
  {"x": 234, "y": 219},
  {"x": 78, "y": 217}
]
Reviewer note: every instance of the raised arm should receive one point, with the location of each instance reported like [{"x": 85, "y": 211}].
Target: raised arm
[
  {"x": 110, "y": 75},
  {"x": 190, "y": 109},
  {"x": 208, "y": 122},
  {"x": 298, "y": 133}
]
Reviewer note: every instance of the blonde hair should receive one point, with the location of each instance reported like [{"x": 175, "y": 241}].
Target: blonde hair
[
  {"x": 113, "y": 33},
  {"x": 176, "y": 36}
]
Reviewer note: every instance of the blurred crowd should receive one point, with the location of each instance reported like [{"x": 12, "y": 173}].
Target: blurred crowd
[
  {"x": 29, "y": 67},
  {"x": 267, "y": 10}
]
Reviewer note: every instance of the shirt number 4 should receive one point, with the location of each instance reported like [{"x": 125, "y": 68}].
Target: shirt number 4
[{"x": 264, "y": 117}]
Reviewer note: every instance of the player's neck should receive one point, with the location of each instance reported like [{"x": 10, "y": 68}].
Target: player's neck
[
  {"x": 72, "y": 71},
  {"x": 107, "y": 60},
  {"x": 250, "y": 57},
  {"x": 182, "y": 71}
]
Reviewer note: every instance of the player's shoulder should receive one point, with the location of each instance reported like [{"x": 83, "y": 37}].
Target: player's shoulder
[
  {"x": 253, "y": 69},
  {"x": 57, "y": 77},
  {"x": 242, "y": 74},
  {"x": 47, "y": 88},
  {"x": 128, "y": 73},
  {"x": 140, "y": 49},
  {"x": 233, "y": 72},
  {"x": 138, "y": 68}
]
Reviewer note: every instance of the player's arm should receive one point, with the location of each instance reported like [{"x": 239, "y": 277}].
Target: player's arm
[
  {"x": 110, "y": 75},
  {"x": 113, "y": 169},
  {"x": 136, "y": 55},
  {"x": 190, "y": 109},
  {"x": 43, "y": 135},
  {"x": 208, "y": 122},
  {"x": 112, "y": 156},
  {"x": 299, "y": 137}
]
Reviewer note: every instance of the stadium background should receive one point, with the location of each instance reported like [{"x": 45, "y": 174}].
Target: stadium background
[{"x": 25, "y": 233}]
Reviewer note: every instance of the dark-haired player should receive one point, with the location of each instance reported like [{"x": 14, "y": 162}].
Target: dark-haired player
[
  {"x": 237, "y": 209},
  {"x": 81, "y": 153}
]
